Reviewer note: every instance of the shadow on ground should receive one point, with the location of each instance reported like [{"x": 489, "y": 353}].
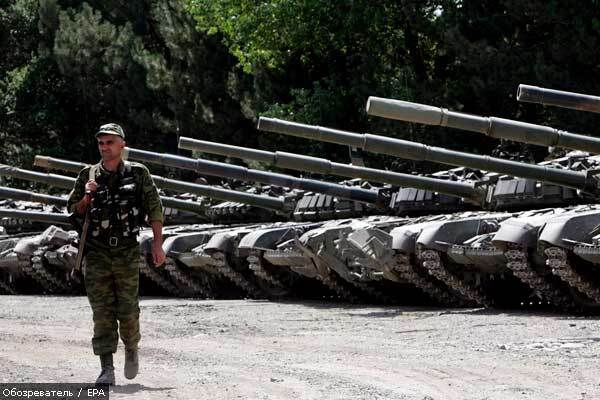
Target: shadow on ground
[{"x": 136, "y": 387}]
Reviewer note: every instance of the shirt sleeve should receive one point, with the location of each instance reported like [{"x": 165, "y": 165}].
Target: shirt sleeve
[
  {"x": 78, "y": 190},
  {"x": 151, "y": 198}
]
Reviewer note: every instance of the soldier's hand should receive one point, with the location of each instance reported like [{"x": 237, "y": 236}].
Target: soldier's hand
[
  {"x": 158, "y": 254},
  {"x": 91, "y": 186}
]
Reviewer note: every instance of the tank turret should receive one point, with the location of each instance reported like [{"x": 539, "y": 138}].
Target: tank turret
[
  {"x": 558, "y": 98},
  {"x": 499, "y": 128}
]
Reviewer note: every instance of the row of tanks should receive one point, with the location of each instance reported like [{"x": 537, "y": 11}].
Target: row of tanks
[{"x": 489, "y": 232}]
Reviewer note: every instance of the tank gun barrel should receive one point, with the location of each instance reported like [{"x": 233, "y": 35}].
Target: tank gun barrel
[
  {"x": 25, "y": 195},
  {"x": 183, "y": 205},
  {"x": 558, "y": 98},
  {"x": 499, "y": 128},
  {"x": 270, "y": 203},
  {"x": 422, "y": 152},
  {"x": 51, "y": 218},
  {"x": 64, "y": 182},
  {"x": 57, "y": 163},
  {"x": 244, "y": 174},
  {"x": 323, "y": 166}
]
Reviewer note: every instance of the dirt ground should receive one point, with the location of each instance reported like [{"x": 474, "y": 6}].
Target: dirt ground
[{"x": 194, "y": 349}]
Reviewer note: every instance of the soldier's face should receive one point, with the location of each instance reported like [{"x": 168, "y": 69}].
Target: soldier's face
[{"x": 110, "y": 147}]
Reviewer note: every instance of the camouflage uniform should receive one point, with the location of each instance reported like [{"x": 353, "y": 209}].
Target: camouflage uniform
[{"x": 112, "y": 269}]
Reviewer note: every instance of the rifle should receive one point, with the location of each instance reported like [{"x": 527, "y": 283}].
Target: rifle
[{"x": 86, "y": 225}]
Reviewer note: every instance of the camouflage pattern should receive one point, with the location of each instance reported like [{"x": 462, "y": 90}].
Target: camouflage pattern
[
  {"x": 112, "y": 285},
  {"x": 111, "y": 129},
  {"x": 151, "y": 204},
  {"x": 112, "y": 273}
]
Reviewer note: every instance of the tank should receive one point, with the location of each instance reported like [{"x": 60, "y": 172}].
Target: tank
[
  {"x": 558, "y": 240},
  {"x": 230, "y": 253},
  {"x": 309, "y": 207},
  {"x": 450, "y": 252},
  {"x": 499, "y": 128},
  {"x": 449, "y": 257},
  {"x": 516, "y": 242},
  {"x": 349, "y": 269},
  {"x": 219, "y": 255},
  {"x": 482, "y": 258},
  {"x": 558, "y": 98},
  {"x": 173, "y": 279},
  {"x": 260, "y": 248},
  {"x": 40, "y": 263},
  {"x": 187, "y": 276}
]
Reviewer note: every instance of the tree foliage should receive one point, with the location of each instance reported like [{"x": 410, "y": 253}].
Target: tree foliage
[
  {"x": 80, "y": 64},
  {"x": 323, "y": 59},
  {"x": 208, "y": 69}
]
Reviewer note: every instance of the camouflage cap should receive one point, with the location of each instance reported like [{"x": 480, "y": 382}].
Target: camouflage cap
[{"x": 111, "y": 129}]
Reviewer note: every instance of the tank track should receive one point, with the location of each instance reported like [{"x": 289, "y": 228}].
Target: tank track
[
  {"x": 157, "y": 278},
  {"x": 184, "y": 279},
  {"x": 255, "y": 265},
  {"x": 338, "y": 286},
  {"x": 372, "y": 292},
  {"x": 404, "y": 270},
  {"x": 26, "y": 266},
  {"x": 234, "y": 276},
  {"x": 432, "y": 262},
  {"x": 37, "y": 265},
  {"x": 519, "y": 264},
  {"x": 557, "y": 260}
]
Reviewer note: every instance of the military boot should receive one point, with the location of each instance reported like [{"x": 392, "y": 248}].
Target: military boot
[
  {"x": 131, "y": 362},
  {"x": 107, "y": 375}
]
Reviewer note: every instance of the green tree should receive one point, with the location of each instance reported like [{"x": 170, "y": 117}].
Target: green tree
[{"x": 317, "y": 61}]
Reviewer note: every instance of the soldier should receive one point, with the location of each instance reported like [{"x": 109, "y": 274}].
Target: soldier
[{"x": 118, "y": 195}]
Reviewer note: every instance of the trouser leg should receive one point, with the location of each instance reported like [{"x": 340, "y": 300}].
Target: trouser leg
[
  {"x": 100, "y": 288},
  {"x": 127, "y": 281}
]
